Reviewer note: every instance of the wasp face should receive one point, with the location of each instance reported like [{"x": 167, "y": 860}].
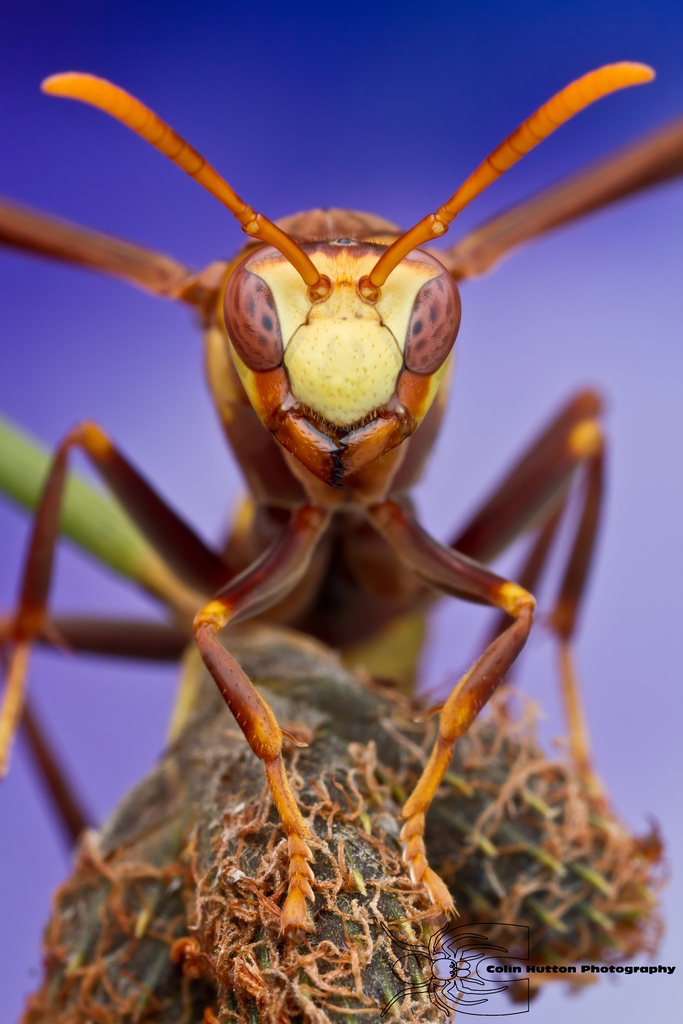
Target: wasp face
[{"x": 345, "y": 362}]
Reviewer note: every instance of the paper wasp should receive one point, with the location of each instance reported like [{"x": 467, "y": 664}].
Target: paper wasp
[{"x": 333, "y": 331}]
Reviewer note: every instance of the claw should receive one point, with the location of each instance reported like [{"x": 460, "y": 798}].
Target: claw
[
  {"x": 295, "y": 920},
  {"x": 438, "y": 892}
]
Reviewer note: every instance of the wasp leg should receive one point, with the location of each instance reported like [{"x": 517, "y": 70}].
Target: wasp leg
[
  {"x": 563, "y": 622},
  {"x": 195, "y": 566},
  {"x": 455, "y": 574},
  {"x": 117, "y": 638},
  {"x": 537, "y": 483},
  {"x": 537, "y": 489},
  {"x": 121, "y": 638},
  {"x": 72, "y": 817},
  {"x": 258, "y": 588},
  {"x": 35, "y": 232}
]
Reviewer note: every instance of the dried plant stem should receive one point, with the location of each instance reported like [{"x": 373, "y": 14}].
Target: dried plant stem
[{"x": 173, "y": 909}]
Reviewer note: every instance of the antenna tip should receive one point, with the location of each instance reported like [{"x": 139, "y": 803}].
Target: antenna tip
[
  {"x": 636, "y": 72},
  {"x": 53, "y": 83},
  {"x": 67, "y": 83}
]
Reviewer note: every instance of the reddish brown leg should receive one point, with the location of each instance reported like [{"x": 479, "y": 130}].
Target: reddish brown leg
[
  {"x": 536, "y": 489},
  {"x": 116, "y": 638},
  {"x": 530, "y": 570},
  {"x": 185, "y": 553},
  {"x": 455, "y": 574},
  {"x": 534, "y": 563},
  {"x": 60, "y": 791},
  {"x": 535, "y": 486},
  {"x": 270, "y": 578}
]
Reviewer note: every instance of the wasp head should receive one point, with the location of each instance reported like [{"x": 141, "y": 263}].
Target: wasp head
[{"x": 357, "y": 374}]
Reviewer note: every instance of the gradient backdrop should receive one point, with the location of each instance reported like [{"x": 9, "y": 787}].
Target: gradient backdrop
[{"x": 385, "y": 108}]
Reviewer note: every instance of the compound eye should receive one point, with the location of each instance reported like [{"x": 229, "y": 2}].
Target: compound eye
[
  {"x": 433, "y": 326},
  {"x": 252, "y": 320}
]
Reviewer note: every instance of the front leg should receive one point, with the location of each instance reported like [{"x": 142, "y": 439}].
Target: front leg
[
  {"x": 454, "y": 574},
  {"x": 274, "y": 575}
]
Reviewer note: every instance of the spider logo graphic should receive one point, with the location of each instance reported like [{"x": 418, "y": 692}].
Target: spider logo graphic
[{"x": 459, "y": 970}]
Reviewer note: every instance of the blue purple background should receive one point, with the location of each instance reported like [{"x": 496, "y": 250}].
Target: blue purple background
[{"x": 385, "y": 108}]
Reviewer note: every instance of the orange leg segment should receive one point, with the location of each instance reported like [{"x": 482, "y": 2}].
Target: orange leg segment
[
  {"x": 454, "y": 574},
  {"x": 256, "y": 589}
]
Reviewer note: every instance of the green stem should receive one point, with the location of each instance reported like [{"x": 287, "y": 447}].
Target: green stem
[{"x": 92, "y": 520}]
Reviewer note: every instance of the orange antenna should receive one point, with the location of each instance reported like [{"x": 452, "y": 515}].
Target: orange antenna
[
  {"x": 125, "y": 108},
  {"x": 551, "y": 115}
]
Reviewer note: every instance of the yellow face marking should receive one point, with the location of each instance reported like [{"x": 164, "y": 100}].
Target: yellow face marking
[
  {"x": 399, "y": 292},
  {"x": 343, "y": 362},
  {"x": 343, "y": 355},
  {"x": 289, "y": 292},
  {"x": 436, "y": 380}
]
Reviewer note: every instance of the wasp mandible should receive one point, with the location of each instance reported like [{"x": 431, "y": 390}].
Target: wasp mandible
[{"x": 328, "y": 349}]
